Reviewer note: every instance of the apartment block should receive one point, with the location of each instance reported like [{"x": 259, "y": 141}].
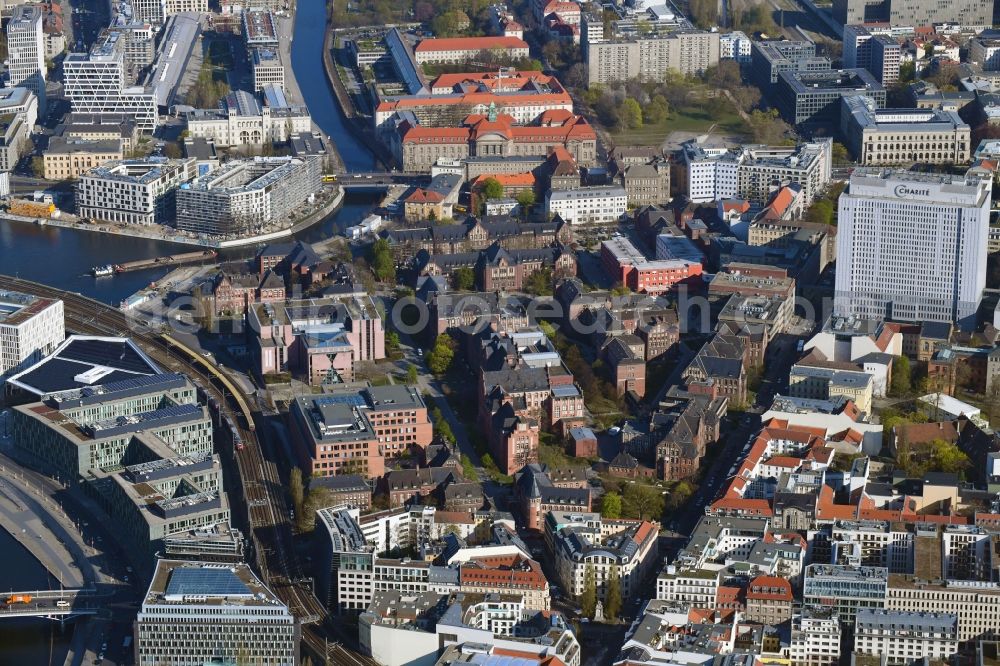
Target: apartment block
[
  {"x": 900, "y": 638},
  {"x": 689, "y": 52},
  {"x": 970, "y": 14},
  {"x": 815, "y": 639},
  {"x": 584, "y": 541},
  {"x": 133, "y": 191},
  {"x": 30, "y": 329},
  {"x": 751, "y": 171},
  {"x": 247, "y": 196},
  {"x": 588, "y": 205}
]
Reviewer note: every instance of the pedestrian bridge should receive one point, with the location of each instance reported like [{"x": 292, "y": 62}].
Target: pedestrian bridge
[{"x": 51, "y": 604}]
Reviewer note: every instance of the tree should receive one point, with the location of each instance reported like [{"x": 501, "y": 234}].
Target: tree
[
  {"x": 907, "y": 72},
  {"x": 947, "y": 457},
  {"x": 820, "y": 212},
  {"x": 296, "y": 490},
  {"x": 539, "y": 283},
  {"x": 680, "y": 495},
  {"x": 38, "y": 167},
  {"x": 392, "y": 341},
  {"x": 464, "y": 279},
  {"x": 767, "y": 127},
  {"x": 318, "y": 498},
  {"x": 631, "y": 114},
  {"x": 588, "y": 600},
  {"x": 611, "y": 505},
  {"x": 412, "y": 377},
  {"x": 441, "y": 355},
  {"x": 525, "y": 199},
  {"x": 656, "y": 111},
  {"x": 613, "y": 595},
  {"x": 172, "y": 150},
  {"x": 642, "y": 502},
  {"x": 381, "y": 260},
  {"x": 901, "y": 380},
  {"x": 492, "y": 189},
  {"x": 840, "y": 154}
]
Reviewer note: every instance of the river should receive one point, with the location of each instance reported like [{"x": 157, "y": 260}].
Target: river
[
  {"x": 28, "y": 641},
  {"x": 63, "y": 257}
]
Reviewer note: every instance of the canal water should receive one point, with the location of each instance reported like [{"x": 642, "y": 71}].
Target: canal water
[
  {"x": 28, "y": 641},
  {"x": 63, "y": 258}
]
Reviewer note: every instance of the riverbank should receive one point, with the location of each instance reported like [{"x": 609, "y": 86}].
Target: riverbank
[
  {"x": 162, "y": 234},
  {"x": 356, "y": 122}
]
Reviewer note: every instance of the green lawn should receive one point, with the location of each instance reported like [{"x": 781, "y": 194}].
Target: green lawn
[{"x": 692, "y": 118}]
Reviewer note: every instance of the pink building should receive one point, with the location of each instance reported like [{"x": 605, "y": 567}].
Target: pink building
[{"x": 319, "y": 340}]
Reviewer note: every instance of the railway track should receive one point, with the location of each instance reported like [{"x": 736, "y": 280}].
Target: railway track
[{"x": 266, "y": 503}]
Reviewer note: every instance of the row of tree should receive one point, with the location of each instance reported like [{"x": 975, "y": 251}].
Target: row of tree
[{"x": 612, "y": 594}]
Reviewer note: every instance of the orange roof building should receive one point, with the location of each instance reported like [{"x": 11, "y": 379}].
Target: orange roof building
[
  {"x": 495, "y": 136},
  {"x": 462, "y": 49}
]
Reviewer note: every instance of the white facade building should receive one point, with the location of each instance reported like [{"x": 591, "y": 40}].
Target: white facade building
[
  {"x": 748, "y": 172},
  {"x": 96, "y": 82},
  {"x": 20, "y": 101},
  {"x": 912, "y": 247},
  {"x": 30, "y": 328},
  {"x": 588, "y": 205},
  {"x": 26, "y": 51},
  {"x": 902, "y": 638},
  {"x": 735, "y": 46},
  {"x": 136, "y": 191},
  {"x": 815, "y": 638},
  {"x": 244, "y": 121},
  {"x": 630, "y": 547},
  {"x": 196, "y": 613},
  {"x": 247, "y": 195}
]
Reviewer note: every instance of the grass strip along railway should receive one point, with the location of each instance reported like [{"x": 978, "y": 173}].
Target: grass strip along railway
[{"x": 265, "y": 501}]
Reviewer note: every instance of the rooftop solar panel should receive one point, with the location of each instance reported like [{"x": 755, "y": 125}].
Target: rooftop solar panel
[
  {"x": 57, "y": 374},
  {"x": 81, "y": 362},
  {"x": 114, "y": 354},
  {"x": 349, "y": 399},
  {"x": 207, "y": 582}
]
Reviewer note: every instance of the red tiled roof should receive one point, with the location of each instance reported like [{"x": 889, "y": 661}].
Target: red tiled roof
[
  {"x": 420, "y": 195},
  {"x": 507, "y": 179},
  {"x": 469, "y": 44},
  {"x": 769, "y": 588},
  {"x": 474, "y": 98},
  {"x": 783, "y": 461}
]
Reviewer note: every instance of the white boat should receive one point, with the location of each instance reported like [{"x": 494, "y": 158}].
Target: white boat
[{"x": 103, "y": 271}]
